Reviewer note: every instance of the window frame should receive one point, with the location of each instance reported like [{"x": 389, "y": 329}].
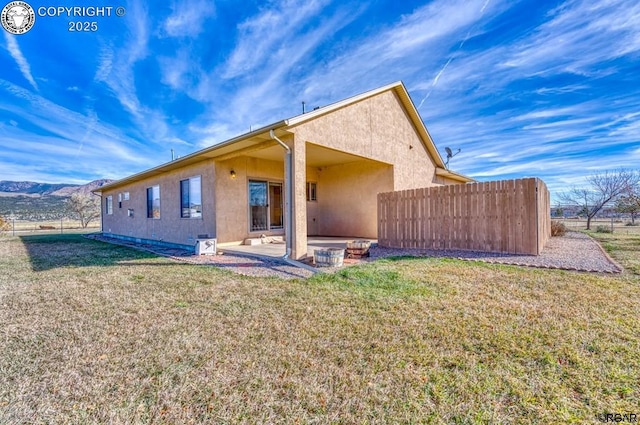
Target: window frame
[
  {"x": 312, "y": 192},
  {"x": 185, "y": 212},
  {"x": 151, "y": 208},
  {"x": 108, "y": 205}
]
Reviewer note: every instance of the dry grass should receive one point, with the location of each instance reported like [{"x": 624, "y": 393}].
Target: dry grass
[
  {"x": 622, "y": 246},
  {"x": 93, "y": 333},
  {"x": 619, "y": 226},
  {"x": 44, "y": 226}
]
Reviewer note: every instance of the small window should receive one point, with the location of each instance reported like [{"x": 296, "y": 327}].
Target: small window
[
  {"x": 312, "y": 191},
  {"x": 126, "y": 196},
  {"x": 153, "y": 202},
  {"x": 191, "y": 198},
  {"x": 119, "y": 197},
  {"x": 108, "y": 205}
]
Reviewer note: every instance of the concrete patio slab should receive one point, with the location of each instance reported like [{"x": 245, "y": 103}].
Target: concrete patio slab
[{"x": 277, "y": 249}]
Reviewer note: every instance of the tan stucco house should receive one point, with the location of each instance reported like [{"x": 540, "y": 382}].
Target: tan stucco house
[{"x": 318, "y": 173}]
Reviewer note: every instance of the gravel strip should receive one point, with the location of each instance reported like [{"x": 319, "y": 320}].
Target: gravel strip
[{"x": 574, "y": 251}]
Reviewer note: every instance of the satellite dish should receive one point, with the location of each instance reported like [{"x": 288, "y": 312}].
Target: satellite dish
[{"x": 450, "y": 155}]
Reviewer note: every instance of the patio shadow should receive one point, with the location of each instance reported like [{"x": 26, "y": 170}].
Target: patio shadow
[{"x": 48, "y": 252}]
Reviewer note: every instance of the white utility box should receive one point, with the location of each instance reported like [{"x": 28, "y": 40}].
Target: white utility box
[{"x": 206, "y": 246}]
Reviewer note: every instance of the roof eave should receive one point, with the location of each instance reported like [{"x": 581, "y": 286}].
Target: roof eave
[
  {"x": 192, "y": 158},
  {"x": 443, "y": 172}
]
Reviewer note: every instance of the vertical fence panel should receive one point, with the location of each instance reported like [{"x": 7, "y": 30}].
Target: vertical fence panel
[{"x": 509, "y": 216}]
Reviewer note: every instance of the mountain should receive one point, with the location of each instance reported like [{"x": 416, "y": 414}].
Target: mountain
[
  {"x": 40, "y": 201},
  {"x": 30, "y": 188},
  {"x": 11, "y": 188},
  {"x": 85, "y": 189}
]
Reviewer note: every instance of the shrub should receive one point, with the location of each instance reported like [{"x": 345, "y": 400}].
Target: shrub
[
  {"x": 4, "y": 225},
  {"x": 628, "y": 223},
  {"x": 558, "y": 228},
  {"x": 603, "y": 229}
]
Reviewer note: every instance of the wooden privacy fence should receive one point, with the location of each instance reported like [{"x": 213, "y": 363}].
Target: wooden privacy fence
[{"x": 509, "y": 216}]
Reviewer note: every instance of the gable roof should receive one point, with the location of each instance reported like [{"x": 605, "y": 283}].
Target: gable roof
[{"x": 261, "y": 136}]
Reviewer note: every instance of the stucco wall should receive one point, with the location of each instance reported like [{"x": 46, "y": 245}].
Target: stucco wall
[
  {"x": 347, "y": 198},
  {"x": 376, "y": 128},
  {"x": 170, "y": 227},
  {"x": 232, "y": 195}
]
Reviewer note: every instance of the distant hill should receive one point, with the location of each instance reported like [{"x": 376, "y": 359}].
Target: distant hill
[
  {"x": 85, "y": 189},
  {"x": 40, "y": 201},
  {"x": 11, "y": 188}
]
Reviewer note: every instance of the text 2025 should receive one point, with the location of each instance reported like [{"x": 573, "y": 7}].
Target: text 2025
[{"x": 83, "y": 26}]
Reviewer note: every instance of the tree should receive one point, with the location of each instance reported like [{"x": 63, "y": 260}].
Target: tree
[
  {"x": 85, "y": 208},
  {"x": 629, "y": 202},
  {"x": 603, "y": 189}
]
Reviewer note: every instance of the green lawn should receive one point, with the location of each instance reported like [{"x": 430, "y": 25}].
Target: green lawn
[{"x": 95, "y": 333}]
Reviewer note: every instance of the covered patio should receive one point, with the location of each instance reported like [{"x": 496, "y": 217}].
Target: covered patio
[
  {"x": 335, "y": 195},
  {"x": 277, "y": 249}
]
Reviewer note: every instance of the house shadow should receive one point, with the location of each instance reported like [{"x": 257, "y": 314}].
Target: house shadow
[{"x": 51, "y": 251}]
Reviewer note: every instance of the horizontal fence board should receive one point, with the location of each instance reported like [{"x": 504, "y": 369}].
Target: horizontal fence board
[{"x": 509, "y": 216}]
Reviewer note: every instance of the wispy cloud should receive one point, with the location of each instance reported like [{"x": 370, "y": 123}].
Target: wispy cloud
[
  {"x": 65, "y": 141},
  {"x": 188, "y": 17},
  {"x": 16, "y": 54},
  {"x": 400, "y": 51},
  {"x": 578, "y": 36},
  {"x": 116, "y": 69},
  {"x": 273, "y": 49},
  {"x": 263, "y": 35},
  {"x": 523, "y": 88}
]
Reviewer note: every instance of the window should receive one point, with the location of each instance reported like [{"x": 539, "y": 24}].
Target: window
[
  {"x": 126, "y": 196},
  {"x": 312, "y": 191},
  {"x": 119, "y": 200},
  {"x": 153, "y": 202},
  {"x": 108, "y": 205},
  {"x": 191, "y": 198}
]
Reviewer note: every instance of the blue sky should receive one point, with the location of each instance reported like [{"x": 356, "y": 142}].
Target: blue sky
[{"x": 524, "y": 88}]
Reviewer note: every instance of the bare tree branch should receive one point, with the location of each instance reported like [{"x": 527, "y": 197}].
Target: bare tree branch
[
  {"x": 85, "y": 208},
  {"x": 603, "y": 188}
]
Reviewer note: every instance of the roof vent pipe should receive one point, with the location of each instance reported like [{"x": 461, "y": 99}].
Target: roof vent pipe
[{"x": 288, "y": 195}]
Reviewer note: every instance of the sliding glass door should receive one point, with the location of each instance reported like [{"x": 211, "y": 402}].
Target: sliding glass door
[
  {"x": 275, "y": 206},
  {"x": 265, "y": 206},
  {"x": 258, "y": 205}
]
